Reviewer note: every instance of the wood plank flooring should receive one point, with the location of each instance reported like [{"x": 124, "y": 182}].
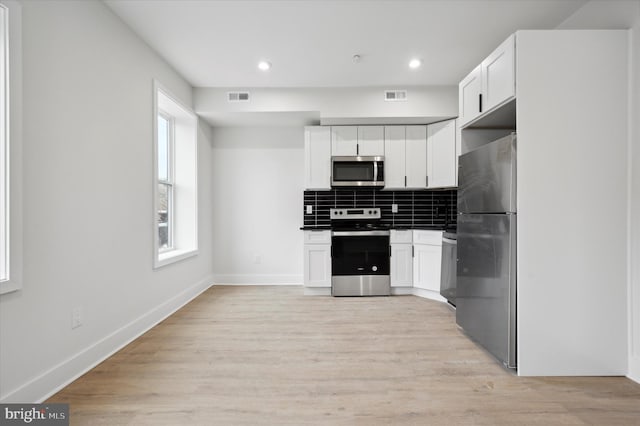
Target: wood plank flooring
[{"x": 269, "y": 355}]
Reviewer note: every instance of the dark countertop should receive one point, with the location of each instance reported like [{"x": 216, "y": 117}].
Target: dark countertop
[
  {"x": 417, "y": 227},
  {"x": 420, "y": 227}
]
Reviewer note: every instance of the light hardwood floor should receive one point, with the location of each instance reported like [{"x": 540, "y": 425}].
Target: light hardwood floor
[{"x": 269, "y": 355}]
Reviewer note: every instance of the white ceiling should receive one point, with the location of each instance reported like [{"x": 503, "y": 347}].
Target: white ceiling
[{"x": 311, "y": 42}]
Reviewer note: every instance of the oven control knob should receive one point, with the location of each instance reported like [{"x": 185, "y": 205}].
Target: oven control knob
[{"x": 374, "y": 268}]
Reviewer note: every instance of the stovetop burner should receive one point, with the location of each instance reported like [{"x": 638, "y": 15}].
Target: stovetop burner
[{"x": 357, "y": 219}]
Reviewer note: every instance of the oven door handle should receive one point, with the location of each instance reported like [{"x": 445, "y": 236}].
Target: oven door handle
[{"x": 360, "y": 233}]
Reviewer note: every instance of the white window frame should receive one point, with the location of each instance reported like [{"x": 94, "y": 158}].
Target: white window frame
[
  {"x": 5, "y": 230},
  {"x": 170, "y": 179},
  {"x": 10, "y": 146},
  {"x": 184, "y": 173}
]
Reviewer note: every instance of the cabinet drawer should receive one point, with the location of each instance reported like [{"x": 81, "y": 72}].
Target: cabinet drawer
[
  {"x": 317, "y": 237},
  {"x": 427, "y": 237},
  {"x": 400, "y": 236}
]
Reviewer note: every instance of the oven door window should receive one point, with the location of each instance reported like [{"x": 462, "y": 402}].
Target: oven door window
[
  {"x": 353, "y": 171},
  {"x": 360, "y": 255}
]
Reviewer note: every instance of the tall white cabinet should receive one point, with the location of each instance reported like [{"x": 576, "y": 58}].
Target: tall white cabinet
[
  {"x": 568, "y": 105},
  {"x": 317, "y": 157},
  {"x": 442, "y": 158}
]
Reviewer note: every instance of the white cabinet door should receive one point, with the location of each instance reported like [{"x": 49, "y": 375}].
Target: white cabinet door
[
  {"x": 317, "y": 265},
  {"x": 344, "y": 140},
  {"x": 394, "y": 157},
  {"x": 498, "y": 75},
  {"x": 370, "y": 140},
  {"x": 441, "y": 154},
  {"x": 401, "y": 265},
  {"x": 426, "y": 267},
  {"x": 469, "y": 99},
  {"x": 416, "y": 157},
  {"x": 317, "y": 157}
]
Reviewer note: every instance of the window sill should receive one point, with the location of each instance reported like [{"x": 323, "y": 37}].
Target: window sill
[
  {"x": 173, "y": 256},
  {"x": 9, "y": 286}
]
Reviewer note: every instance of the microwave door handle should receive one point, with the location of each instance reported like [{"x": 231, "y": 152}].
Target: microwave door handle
[{"x": 375, "y": 171}]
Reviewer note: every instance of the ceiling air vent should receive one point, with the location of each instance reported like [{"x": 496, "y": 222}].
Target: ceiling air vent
[
  {"x": 395, "y": 95},
  {"x": 238, "y": 96}
]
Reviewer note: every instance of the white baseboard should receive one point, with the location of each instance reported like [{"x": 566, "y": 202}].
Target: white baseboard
[
  {"x": 428, "y": 294},
  {"x": 317, "y": 291},
  {"x": 401, "y": 291},
  {"x": 634, "y": 368},
  {"x": 257, "y": 279},
  {"x": 48, "y": 383}
]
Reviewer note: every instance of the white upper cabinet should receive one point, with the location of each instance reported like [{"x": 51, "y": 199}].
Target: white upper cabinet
[
  {"x": 344, "y": 140},
  {"x": 498, "y": 75},
  {"x": 405, "y": 157},
  {"x": 394, "y": 157},
  {"x": 441, "y": 154},
  {"x": 416, "y": 157},
  {"x": 470, "y": 96},
  {"x": 357, "y": 140},
  {"x": 317, "y": 157},
  {"x": 490, "y": 84},
  {"x": 370, "y": 140}
]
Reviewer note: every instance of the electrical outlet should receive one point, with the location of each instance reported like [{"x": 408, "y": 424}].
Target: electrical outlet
[
  {"x": 76, "y": 317},
  {"x": 394, "y": 208},
  {"x": 309, "y": 209}
]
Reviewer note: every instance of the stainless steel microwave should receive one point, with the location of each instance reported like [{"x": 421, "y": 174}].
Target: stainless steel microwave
[{"x": 357, "y": 171}]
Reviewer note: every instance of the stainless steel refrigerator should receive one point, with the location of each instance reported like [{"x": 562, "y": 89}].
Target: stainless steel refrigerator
[{"x": 486, "y": 267}]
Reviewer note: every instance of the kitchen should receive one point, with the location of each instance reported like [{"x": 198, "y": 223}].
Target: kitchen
[{"x": 249, "y": 227}]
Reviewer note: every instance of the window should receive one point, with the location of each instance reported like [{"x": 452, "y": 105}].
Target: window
[
  {"x": 175, "y": 180},
  {"x": 165, "y": 182},
  {"x": 4, "y": 145},
  {"x": 10, "y": 147}
]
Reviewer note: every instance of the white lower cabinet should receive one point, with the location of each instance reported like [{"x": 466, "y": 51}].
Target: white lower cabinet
[
  {"x": 427, "y": 248},
  {"x": 401, "y": 258},
  {"x": 317, "y": 259}
]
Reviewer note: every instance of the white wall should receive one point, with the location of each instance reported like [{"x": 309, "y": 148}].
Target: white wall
[
  {"x": 603, "y": 15},
  {"x": 87, "y": 199},
  {"x": 257, "y": 195},
  {"x": 623, "y": 14},
  {"x": 348, "y": 105}
]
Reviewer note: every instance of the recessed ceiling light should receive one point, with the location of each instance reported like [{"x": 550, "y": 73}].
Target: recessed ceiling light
[
  {"x": 264, "y": 65},
  {"x": 415, "y": 63}
]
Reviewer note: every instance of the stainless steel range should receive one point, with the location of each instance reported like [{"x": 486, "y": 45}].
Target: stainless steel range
[{"x": 359, "y": 253}]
